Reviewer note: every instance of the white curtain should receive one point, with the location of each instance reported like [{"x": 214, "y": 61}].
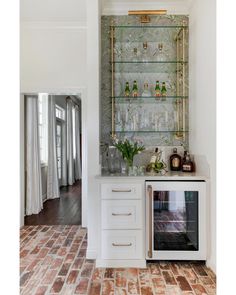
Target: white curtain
[
  {"x": 52, "y": 175},
  {"x": 64, "y": 156},
  {"x": 34, "y": 200},
  {"x": 77, "y": 144},
  {"x": 70, "y": 160}
]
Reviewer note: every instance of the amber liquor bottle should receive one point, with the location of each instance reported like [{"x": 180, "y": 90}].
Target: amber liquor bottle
[
  {"x": 175, "y": 161},
  {"x": 187, "y": 165}
]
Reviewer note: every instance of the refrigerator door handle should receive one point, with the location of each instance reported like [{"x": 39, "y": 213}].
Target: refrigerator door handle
[{"x": 149, "y": 195}]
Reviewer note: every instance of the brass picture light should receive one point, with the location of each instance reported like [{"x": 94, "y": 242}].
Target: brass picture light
[{"x": 144, "y": 14}]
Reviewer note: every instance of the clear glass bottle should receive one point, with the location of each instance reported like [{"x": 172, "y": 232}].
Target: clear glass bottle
[
  {"x": 151, "y": 166},
  {"x": 136, "y": 53},
  {"x": 146, "y": 91},
  {"x": 145, "y": 52},
  {"x": 113, "y": 160}
]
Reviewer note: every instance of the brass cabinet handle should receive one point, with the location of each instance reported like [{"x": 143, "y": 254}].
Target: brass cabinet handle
[
  {"x": 121, "y": 245},
  {"x": 121, "y": 214},
  {"x": 121, "y": 191},
  {"x": 149, "y": 189}
]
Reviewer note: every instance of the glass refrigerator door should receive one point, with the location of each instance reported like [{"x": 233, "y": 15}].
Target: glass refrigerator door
[{"x": 175, "y": 220}]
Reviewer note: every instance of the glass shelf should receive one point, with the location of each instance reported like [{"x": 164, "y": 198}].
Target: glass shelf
[
  {"x": 152, "y": 131},
  {"x": 149, "y": 62},
  {"x": 147, "y": 99},
  {"x": 148, "y": 66},
  {"x": 147, "y": 27}
]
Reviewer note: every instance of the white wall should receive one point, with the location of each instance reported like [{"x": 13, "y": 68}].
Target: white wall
[
  {"x": 22, "y": 160},
  {"x": 203, "y": 99},
  {"x": 53, "y": 10},
  {"x": 53, "y": 59},
  {"x": 121, "y": 7},
  {"x": 93, "y": 69},
  {"x": 53, "y": 55}
]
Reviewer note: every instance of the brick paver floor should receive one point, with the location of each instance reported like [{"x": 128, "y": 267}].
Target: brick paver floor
[{"x": 52, "y": 261}]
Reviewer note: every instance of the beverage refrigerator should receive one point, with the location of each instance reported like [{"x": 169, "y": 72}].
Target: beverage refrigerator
[{"x": 176, "y": 220}]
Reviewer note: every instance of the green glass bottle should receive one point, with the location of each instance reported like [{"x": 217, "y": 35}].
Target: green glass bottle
[
  {"x": 135, "y": 89},
  {"x": 157, "y": 90},
  {"x": 163, "y": 91},
  {"x": 127, "y": 90}
]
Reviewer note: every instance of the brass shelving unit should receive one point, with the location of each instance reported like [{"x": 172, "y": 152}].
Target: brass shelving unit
[{"x": 181, "y": 63}]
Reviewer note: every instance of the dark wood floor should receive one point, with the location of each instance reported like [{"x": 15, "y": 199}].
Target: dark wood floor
[{"x": 65, "y": 211}]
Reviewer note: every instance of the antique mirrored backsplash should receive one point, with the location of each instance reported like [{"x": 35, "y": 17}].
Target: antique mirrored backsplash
[{"x": 154, "y": 109}]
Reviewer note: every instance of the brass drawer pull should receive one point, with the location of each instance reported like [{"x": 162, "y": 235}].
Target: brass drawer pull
[
  {"x": 121, "y": 191},
  {"x": 121, "y": 214},
  {"x": 121, "y": 245}
]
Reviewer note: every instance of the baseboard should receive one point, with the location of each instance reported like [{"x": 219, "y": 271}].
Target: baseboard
[
  {"x": 91, "y": 254},
  {"x": 211, "y": 265},
  {"x": 121, "y": 263}
]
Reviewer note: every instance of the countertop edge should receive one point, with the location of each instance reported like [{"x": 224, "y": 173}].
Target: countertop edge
[{"x": 168, "y": 176}]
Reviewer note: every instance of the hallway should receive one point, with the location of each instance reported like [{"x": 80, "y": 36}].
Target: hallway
[{"x": 63, "y": 211}]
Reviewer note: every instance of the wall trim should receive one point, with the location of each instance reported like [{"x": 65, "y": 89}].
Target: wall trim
[
  {"x": 91, "y": 253},
  {"x": 211, "y": 265},
  {"x": 53, "y": 25},
  {"x": 137, "y": 263}
]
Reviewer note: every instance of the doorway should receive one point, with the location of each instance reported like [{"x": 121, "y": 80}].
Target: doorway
[{"x": 65, "y": 208}]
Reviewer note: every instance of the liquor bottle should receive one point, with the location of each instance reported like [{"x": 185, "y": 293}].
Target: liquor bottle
[
  {"x": 151, "y": 166},
  {"x": 163, "y": 91},
  {"x": 146, "y": 91},
  {"x": 157, "y": 91},
  {"x": 187, "y": 165},
  {"x": 127, "y": 90},
  {"x": 184, "y": 157},
  {"x": 175, "y": 161},
  {"x": 135, "y": 89}
]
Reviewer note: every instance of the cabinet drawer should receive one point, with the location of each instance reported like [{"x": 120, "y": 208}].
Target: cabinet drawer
[
  {"x": 121, "y": 191},
  {"x": 122, "y": 244},
  {"x": 121, "y": 214}
]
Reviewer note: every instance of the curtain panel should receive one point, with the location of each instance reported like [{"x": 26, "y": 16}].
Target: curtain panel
[
  {"x": 70, "y": 152},
  {"x": 77, "y": 144},
  {"x": 34, "y": 200},
  {"x": 52, "y": 175}
]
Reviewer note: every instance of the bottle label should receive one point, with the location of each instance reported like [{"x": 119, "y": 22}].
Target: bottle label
[
  {"x": 153, "y": 159},
  {"x": 186, "y": 167},
  {"x": 175, "y": 162}
]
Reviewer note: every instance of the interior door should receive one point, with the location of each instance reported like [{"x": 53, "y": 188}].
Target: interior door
[{"x": 59, "y": 150}]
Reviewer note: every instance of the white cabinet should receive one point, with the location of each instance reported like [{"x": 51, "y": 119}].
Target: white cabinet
[
  {"x": 149, "y": 218},
  {"x": 121, "y": 191},
  {"x": 121, "y": 214},
  {"x": 122, "y": 225},
  {"x": 122, "y": 244}
]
